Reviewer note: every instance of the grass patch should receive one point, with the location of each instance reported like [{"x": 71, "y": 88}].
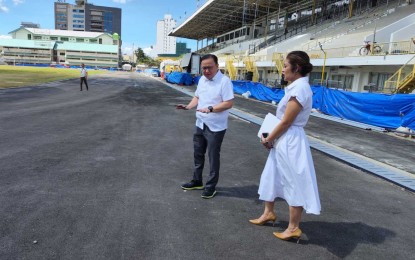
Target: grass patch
[{"x": 19, "y": 76}]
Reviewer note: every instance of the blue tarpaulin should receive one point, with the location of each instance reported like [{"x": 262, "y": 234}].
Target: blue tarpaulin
[
  {"x": 258, "y": 90},
  {"x": 383, "y": 110},
  {"x": 196, "y": 79},
  {"x": 179, "y": 78}
]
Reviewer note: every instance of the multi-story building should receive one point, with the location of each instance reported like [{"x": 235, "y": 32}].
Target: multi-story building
[
  {"x": 165, "y": 44},
  {"x": 83, "y": 16},
  {"x": 181, "y": 48},
  {"x": 45, "y": 46},
  {"x": 29, "y": 25}
]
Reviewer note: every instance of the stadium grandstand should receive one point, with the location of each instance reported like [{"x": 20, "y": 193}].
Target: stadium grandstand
[{"x": 356, "y": 45}]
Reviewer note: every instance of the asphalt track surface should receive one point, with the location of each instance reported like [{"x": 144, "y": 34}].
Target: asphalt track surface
[{"x": 97, "y": 174}]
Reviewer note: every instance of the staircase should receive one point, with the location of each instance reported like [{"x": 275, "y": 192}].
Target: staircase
[
  {"x": 251, "y": 67},
  {"x": 278, "y": 59},
  {"x": 230, "y": 68},
  {"x": 403, "y": 81}
]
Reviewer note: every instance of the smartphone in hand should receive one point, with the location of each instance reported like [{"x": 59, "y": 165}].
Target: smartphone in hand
[
  {"x": 180, "y": 106},
  {"x": 265, "y": 135}
]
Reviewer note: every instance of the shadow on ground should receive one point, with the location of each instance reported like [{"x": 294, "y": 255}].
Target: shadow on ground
[
  {"x": 245, "y": 192},
  {"x": 341, "y": 238}
]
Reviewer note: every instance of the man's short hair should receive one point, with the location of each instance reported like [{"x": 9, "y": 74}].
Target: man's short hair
[{"x": 209, "y": 56}]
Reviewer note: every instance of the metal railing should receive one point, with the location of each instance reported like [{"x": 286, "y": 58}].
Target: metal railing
[
  {"x": 379, "y": 49},
  {"x": 403, "y": 81}
]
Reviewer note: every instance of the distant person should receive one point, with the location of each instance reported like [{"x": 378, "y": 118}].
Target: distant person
[
  {"x": 213, "y": 97},
  {"x": 289, "y": 171},
  {"x": 84, "y": 76}
]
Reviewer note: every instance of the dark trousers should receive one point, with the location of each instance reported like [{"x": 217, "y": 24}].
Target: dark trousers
[
  {"x": 204, "y": 139},
  {"x": 83, "y": 79}
]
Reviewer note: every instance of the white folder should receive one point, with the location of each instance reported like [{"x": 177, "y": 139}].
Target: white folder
[{"x": 269, "y": 123}]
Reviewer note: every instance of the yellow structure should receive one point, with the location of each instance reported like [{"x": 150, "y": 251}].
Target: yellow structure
[
  {"x": 230, "y": 67},
  {"x": 403, "y": 81},
  {"x": 251, "y": 67},
  {"x": 278, "y": 59}
]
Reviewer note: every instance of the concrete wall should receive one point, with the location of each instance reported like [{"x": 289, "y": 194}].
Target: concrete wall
[
  {"x": 106, "y": 39},
  {"x": 384, "y": 34},
  {"x": 403, "y": 34},
  {"x": 21, "y": 34}
]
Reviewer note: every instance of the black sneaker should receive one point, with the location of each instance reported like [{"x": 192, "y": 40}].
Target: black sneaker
[
  {"x": 193, "y": 185},
  {"x": 208, "y": 194}
]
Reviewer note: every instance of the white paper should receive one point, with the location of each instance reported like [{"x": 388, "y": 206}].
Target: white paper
[{"x": 269, "y": 123}]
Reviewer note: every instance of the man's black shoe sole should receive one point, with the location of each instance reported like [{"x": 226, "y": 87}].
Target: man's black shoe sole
[
  {"x": 194, "y": 188},
  {"x": 209, "y": 197}
]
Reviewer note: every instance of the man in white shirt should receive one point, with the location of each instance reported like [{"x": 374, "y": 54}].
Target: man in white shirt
[
  {"x": 213, "y": 97},
  {"x": 84, "y": 76}
]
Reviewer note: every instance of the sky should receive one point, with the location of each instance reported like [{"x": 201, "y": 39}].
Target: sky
[{"x": 138, "y": 22}]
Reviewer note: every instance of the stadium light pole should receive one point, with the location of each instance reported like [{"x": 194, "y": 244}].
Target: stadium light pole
[{"x": 324, "y": 63}]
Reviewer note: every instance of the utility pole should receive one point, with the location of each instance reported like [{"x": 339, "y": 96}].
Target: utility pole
[{"x": 324, "y": 63}]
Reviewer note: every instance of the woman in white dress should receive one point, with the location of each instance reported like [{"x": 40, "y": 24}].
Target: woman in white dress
[{"x": 289, "y": 171}]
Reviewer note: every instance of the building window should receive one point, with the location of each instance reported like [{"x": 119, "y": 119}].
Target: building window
[
  {"x": 53, "y": 38},
  {"x": 378, "y": 79},
  {"x": 342, "y": 81},
  {"x": 315, "y": 78},
  {"x": 65, "y": 39},
  {"x": 29, "y": 36},
  {"x": 100, "y": 41},
  {"x": 37, "y": 38}
]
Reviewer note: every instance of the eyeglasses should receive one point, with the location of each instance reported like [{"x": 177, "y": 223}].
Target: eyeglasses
[{"x": 207, "y": 68}]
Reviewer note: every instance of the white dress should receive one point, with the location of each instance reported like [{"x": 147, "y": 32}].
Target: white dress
[{"x": 289, "y": 171}]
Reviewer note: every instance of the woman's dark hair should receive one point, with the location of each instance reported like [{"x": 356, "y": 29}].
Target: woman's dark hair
[
  {"x": 209, "y": 56},
  {"x": 300, "y": 61}
]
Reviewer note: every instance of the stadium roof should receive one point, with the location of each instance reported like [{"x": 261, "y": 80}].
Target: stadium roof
[{"x": 218, "y": 16}]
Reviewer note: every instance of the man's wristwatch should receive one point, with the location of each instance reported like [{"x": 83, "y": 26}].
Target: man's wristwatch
[{"x": 210, "y": 108}]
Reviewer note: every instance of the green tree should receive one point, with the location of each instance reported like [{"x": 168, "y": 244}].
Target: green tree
[{"x": 141, "y": 57}]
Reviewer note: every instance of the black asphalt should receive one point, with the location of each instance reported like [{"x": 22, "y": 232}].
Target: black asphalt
[{"x": 97, "y": 174}]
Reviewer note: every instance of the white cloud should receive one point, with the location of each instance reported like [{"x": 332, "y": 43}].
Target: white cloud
[
  {"x": 120, "y": 1},
  {"x": 3, "y": 8},
  {"x": 17, "y": 2},
  {"x": 5, "y": 37},
  {"x": 150, "y": 52},
  {"x": 127, "y": 50}
]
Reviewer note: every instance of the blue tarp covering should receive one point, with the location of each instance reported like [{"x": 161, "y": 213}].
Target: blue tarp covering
[
  {"x": 388, "y": 111},
  {"x": 32, "y": 65},
  {"x": 179, "y": 78},
  {"x": 258, "y": 90},
  {"x": 383, "y": 110},
  {"x": 196, "y": 79}
]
